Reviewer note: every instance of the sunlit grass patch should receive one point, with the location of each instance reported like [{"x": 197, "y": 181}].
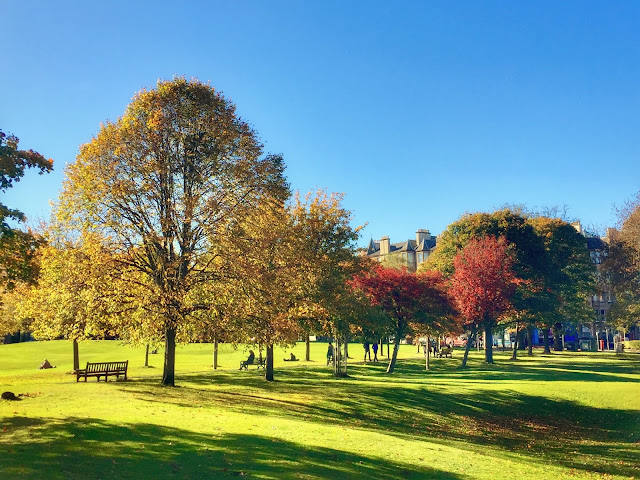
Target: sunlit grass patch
[{"x": 562, "y": 415}]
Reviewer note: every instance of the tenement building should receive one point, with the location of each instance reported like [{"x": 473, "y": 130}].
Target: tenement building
[{"x": 410, "y": 253}]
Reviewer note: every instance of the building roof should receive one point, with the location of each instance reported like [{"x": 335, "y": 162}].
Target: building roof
[
  {"x": 595, "y": 243},
  {"x": 373, "y": 250}
]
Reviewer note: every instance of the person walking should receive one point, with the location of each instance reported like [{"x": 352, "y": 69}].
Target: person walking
[
  {"x": 329, "y": 353},
  {"x": 375, "y": 351},
  {"x": 367, "y": 350}
]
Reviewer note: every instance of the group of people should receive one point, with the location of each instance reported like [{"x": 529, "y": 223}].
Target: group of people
[
  {"x": 367, "y": 351},
  {"x": 330, "y": 353},
  {"x": 368, "y": 347},
  {"x": 252, "y": 357},
  {"x": 433, "y": 347}
]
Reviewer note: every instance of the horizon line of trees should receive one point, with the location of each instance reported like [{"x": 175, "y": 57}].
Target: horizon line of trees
[{"x": 174, "y": 226}]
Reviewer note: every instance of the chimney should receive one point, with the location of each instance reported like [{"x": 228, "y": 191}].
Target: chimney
[
  {"x": 422, "y": 234},
  {"x": 578, "y": 226},
  {"x": 384, "y": 245}
]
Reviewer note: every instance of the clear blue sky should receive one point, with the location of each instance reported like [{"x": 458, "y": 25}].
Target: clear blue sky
[{"x": 417, "y": 111}]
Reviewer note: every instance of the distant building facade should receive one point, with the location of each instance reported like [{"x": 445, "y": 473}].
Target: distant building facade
[
  {"x": 602, "y": 300},
  {"x": 410, "y": 253}
]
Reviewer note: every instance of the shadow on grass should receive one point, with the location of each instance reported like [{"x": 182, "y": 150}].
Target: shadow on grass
[
  {"x": 545, "y": 429},
  {"x": 81, "y": 448},
  {"x": 553, "y": 368}
]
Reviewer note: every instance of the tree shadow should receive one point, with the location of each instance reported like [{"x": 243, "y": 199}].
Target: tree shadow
[
  {"x": 541, "y": 428},
  {"x": 84, "y": 448},
  {"x": 550, "y": 370}
]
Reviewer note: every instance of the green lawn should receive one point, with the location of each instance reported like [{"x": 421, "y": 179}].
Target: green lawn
[{"x": 557, "y": 416}]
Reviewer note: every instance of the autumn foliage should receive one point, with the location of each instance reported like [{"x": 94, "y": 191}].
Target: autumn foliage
[
  {"x": 483, "y": 282},
  {"x": 405, "y": 298}
]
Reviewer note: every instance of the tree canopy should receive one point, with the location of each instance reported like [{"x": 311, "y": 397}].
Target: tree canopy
[
  {"x": 483, "y": 285},
  {"x": 405, "y": 298},
  {"x": 163, "y": 185},
  {"x": 17, "y": 247}
]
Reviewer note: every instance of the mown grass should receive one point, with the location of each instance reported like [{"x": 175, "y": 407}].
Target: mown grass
[{"x": 548, "y": 416}]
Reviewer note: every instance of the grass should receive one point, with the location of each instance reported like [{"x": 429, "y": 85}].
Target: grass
[{"x": 549, "y": 416}]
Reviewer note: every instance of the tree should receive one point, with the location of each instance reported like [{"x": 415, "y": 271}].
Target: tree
[
  {"x": 163, "y": 185},
  {"x": 13, "y": 163},
  {"x": 569, "y": 278},
  {"x": 269, "y": 298},
  {"x": 325, "y": 243},
  {"x": 482, "y": 286},
  {"x": 75, "y": 296},
  {"x": 620, "y": 268},
  {"x": 531, "y": 262},
  {"x": 405, "y": 298},
  {"x": 17, "y": 247}
]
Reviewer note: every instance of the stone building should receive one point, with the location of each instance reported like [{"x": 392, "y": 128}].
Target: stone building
[{"x": 410, "y": 253}]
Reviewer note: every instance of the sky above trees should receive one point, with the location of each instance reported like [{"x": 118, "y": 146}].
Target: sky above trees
[{"x": 418, "y": 111}]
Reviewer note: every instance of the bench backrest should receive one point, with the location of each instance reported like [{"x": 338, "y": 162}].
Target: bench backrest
[{"x": 93, "y": 367}]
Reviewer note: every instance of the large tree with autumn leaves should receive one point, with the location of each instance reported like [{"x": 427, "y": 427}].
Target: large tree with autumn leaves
[
  {"x": 405, "y": 298},
  {"x": 162, "y": 185},
  {"x": 482, "y": 286}
]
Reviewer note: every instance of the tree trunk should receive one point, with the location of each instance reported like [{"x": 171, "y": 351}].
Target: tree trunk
[
  {"x": 336, "y": 353},
  {"x": 488, "y": 343},
  {"x": 387, "y": 347},
  {"x": 547, "y": 347},
  {"x": 606, "y": 342},
  {"x": 168, "y": 373},
  {"x": 467, "y": 347},
  {"x": 76, "y": 356},
  {"x": 268, "y": 376},
  {"x": 396, "y": 348},
  {"x": 514, "y": 355},
  {"x": 307, "y": 353},
  {"x": 215, "y": 353},
  {"x": 381, "y": 344},
  {"x": 427, "y": 354},
  {"x": 530, "y": 340},
  {"x": 146, "y": 356},
  {"x": 346, "y": 347}
]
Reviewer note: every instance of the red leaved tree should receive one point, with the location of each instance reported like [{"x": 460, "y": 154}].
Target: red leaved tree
[
  {"x": 482, "y": 286},
  {"x": 405, "y": 298}
]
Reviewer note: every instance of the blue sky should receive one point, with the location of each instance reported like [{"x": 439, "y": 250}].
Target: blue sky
[{"x": 417, "y": 111}]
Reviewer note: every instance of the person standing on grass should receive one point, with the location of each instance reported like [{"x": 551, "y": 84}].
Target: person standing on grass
[
  {"x": 375, "y": 351},
  {"x": 329, "y": 353},
  {"x": 367, "y": 350}
]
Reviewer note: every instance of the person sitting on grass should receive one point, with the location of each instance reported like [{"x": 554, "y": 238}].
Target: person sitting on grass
[
  {"x": 292, "y": 358},
  {"x": 46, "y": 364},
  {"x": 248, "y": 361}
]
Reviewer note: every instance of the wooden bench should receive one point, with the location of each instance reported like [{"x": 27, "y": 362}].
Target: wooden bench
[
  {"x": 103, "y": 369},
  {"x": 445, "y": 352},
  {"x": 258, "y": 363}
]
